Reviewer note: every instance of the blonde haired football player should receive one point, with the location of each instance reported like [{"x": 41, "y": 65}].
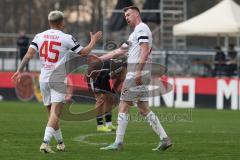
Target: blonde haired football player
[{"x": 53, "y": 46}]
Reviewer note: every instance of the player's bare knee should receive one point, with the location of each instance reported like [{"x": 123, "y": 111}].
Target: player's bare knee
[
  {"x": 124, "y": 107},
  {"x": 105, "y": 97},
  {"x": 109, "y": 99},
  {"x": 99, "y": 99},
  {"x": 56, "y": 109},
  {"x": 143, "y": 110}
]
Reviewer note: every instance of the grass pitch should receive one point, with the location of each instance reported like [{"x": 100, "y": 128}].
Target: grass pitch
[{"x": 196, "y": 134}]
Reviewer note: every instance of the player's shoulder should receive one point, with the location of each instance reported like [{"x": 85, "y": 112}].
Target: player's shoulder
[
  {"x": 65, "y": 34},
  {"x": 68, "y": 37},
  {"x": 38, "y": 37},
  {"x": 142, "y": 26}
]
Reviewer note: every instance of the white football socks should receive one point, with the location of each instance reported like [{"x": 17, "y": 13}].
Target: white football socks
[
  {"x": 156, "y": 125},
  {"x": 49, "y": 131},
  {"x": 58, "y": 136},
  {"x": 121, "y": 128}
]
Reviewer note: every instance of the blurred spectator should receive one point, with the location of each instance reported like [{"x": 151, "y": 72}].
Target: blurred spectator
[
  {"x": 22, "y": 44},
  {"x": 219, "y": 62},
  {"x": 231, "y": 64}
]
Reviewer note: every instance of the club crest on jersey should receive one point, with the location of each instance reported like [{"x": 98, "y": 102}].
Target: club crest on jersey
[{"x": 141, "y": 31}]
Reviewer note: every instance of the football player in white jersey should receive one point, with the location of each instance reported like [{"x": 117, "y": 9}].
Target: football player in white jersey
[
  {"x": 53, "y": 46},
  {"x": 137, "y": 77}
]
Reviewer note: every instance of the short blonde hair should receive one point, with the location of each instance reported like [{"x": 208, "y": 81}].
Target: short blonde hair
[{"x": 55, "y": 16}]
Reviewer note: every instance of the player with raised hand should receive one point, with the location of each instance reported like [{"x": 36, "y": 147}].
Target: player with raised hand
[
  {"x": 135, "y": 86},
  {"x": 53, "y": 46}
]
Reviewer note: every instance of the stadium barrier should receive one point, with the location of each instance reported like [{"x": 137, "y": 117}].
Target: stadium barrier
[
  {"x": 187, "y": 62},
  {"x": 196, "y": 92}
]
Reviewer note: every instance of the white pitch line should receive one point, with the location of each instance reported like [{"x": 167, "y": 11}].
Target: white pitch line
[{"x": 82, "y": 138}]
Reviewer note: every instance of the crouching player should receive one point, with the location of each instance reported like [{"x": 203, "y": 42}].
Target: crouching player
[{"x": 103, "y": 91}]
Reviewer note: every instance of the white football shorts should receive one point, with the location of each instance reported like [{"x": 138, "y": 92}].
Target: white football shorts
[
  {"x": 133, "y": 93},
  {"x": 51, "y": 95}
]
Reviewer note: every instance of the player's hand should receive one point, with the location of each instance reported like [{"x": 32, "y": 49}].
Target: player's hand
[
  {"x": 95, "y": 37},
  {"x": 16, "y": 77},
  {"x": 138, "y": 78},
  {"x": 125, "y": 45}
]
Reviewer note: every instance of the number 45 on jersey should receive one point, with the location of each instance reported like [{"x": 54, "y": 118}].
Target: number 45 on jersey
[{"x": 47, "y": 48}]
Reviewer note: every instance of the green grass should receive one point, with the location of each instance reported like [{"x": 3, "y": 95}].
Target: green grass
[{"x": 197, "y": 134}]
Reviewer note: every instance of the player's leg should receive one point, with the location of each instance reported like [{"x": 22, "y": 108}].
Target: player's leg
[
  {"x": 99, "y": 86},
  {"x": 151, "y": 118},
  {"x": 99, "y": 108},
  {"x": 108, "y": 99},
  {"x": 155, "y": 124},
  {"x": 122, "y": 120},
  {"x": 58, "y": 100},
  {"x": 100, "y": 99},
  {"x": 108, "y": 106},
  {"x": 103, "y": 84},
  {"x": 48, "y": 110},
  {"x": 49, "y": 131},
  {"x": 53, "y": 122},
  {"x": 58, "y": 133}
]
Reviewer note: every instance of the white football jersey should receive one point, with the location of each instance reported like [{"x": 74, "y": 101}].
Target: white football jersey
[
  {"x": 141, "y": 33},
  {"x": 53, "y": 46}
]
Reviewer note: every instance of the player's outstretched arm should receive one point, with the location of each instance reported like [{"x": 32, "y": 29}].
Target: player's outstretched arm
[
  {"x": 94, "y": 39},
  {"x": 123, "y": 49},
  {"x": 29, "y": 55}
]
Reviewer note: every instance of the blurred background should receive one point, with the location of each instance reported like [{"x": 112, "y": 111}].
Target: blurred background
[
  {"x": 83, "y": 16},
  {"x": 211, "y": 54}
]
